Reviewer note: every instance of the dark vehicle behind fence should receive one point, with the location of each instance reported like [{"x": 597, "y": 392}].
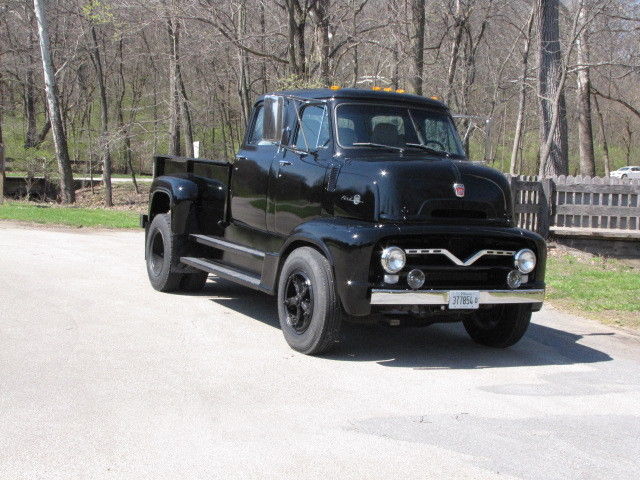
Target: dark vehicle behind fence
[{"x": 349, "y": 205}]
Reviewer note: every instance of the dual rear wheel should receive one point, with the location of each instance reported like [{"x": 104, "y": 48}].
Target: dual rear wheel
[{"x": 163, "y": 250}]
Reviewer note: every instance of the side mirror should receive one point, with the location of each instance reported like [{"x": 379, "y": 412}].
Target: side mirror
[{"x": 273, "y": 124}]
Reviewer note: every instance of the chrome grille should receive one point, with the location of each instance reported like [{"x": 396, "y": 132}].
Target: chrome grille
[{"x": 462, "y": 263}]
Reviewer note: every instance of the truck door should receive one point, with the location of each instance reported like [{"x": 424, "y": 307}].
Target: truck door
[
  {"x": 298, "y": 173},
  {"x": 250, "y": 176}
]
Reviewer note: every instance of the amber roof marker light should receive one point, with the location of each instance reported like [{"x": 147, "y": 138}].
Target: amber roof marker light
[{"x": 335, "y": 87}]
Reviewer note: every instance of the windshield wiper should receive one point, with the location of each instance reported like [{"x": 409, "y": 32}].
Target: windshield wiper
[
  {"x": 379, "y": 145},
  {"x": 428, "y": 149}
]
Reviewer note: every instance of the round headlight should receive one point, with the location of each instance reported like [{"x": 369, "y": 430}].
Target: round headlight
[
  {"x": 525, "y": 260},
  {"x": 393, "y": 259}
]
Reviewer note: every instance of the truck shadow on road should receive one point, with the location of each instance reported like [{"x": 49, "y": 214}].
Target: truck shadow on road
[{"x": 440, "y": 346}]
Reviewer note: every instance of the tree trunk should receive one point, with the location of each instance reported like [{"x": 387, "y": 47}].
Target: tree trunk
[
  {"x": 321, "y": 11},
  {"x": 417, "y": 44},
  {"x": 188, "y": 124},
  {"x": 174, "y": 87},
  {"x": 30, "y": 109},
  {"x": 585, "y": 131},
  {"x": 263, "y": 43},
  {"x": 59, "y": 137},
  {"x": 522, "y": 100},
  {"x": 31, "y": 138},
  {"x": 126, "y": 140},
  {"x": 459, "y": 22},
  {"x": 243, "y": 80},
  {"x": 628, "y": 141},
  {"x": 605, "y": 145},
  {"x": 553, "y": 131},
  {"x": 1, "y": 167},
  {"x": 104, "y": 120},
  {"x": 297, "y": 27}
]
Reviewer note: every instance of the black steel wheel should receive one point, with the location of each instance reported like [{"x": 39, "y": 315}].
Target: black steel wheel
[
  {"x": 500, "y": 326},
  {"x": 308, "y": 306},
  {"x": 299, "y": 301},
  {"x": 156, "y": 253}
]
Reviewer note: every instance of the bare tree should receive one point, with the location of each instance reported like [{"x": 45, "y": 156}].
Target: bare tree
[
  {"x": 59, "y": 136},
  {"x": 417, "y": 44},
  {"x": 522, "y": 95},
  {"x": 554, "y": 142},
  {"x": 173, "y": 37},
  {"x": 104, "y": 119},
  {"x": 603, "y": 132},
  {"x": 585, "y": 131}
]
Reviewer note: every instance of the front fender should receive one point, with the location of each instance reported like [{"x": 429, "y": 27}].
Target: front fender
[{"x": 348, "y": 245}]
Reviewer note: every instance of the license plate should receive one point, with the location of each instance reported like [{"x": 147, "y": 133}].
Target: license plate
[{"x": 464, "y": 300}]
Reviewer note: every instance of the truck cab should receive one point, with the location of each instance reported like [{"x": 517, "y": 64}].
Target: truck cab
[{"x": 349, "y": 205}]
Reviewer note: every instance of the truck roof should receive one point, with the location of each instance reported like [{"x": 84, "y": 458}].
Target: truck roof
[{"x": 361, "y": 94}]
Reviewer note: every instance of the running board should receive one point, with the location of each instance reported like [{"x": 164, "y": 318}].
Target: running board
[
  {"x": 238, "y": 276},
  {"x": 221, "y": 244}
]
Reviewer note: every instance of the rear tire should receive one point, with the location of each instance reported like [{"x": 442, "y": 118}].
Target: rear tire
[
  {"x": 500, "y": 327},
  {"x": 308, "y": 306},
  {"x": 162, "y": 255}
]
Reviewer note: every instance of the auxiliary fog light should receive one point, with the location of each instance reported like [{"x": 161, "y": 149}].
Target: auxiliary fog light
[
  {"x": 391, "y": 278},
  {"x": 415, "y": 278},
  {"x": 525, "y": 260},
  {"x": 514, "y": 279},
  {"x": 393, "y": 259}
]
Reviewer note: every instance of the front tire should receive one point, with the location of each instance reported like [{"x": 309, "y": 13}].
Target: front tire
[
  {"x": 308, "y": 306},
  {"x": 500, "y": 327}
]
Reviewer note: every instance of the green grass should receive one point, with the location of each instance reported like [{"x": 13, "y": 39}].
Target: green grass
[
  {"x": 596, "y": 284},
  {"x": 71, "y": 216},
  {"x": 604, "y": 289}
]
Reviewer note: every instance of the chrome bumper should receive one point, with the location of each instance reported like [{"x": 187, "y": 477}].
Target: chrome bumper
[{"x": 441, "y": 297}]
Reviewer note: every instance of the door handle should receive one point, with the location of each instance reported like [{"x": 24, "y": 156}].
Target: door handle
[{"x": 285, "y": 163}]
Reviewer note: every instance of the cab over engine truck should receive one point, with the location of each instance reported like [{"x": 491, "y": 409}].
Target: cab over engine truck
[{"x": 349, "y": 205}]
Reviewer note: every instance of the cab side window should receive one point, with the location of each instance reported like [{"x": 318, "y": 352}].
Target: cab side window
[
  {"x": 313, "y": 132},
  {"x": 255, "y": 134}
]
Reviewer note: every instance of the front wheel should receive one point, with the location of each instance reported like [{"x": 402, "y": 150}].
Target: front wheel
[
  {"x": 308, "y": 306},
  {"x": 500, "y": 326}
]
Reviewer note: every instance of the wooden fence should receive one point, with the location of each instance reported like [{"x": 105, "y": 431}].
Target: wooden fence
[{"x": 583, "y": 206}]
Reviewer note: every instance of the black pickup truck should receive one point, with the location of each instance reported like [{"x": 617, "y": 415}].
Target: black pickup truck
[{"x": 349, "y": 205}]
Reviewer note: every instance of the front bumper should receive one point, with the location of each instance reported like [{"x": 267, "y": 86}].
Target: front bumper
[{"x": 441, "y": 297}]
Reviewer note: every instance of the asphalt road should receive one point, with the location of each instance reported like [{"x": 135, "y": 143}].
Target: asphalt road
[{"x": 103, "y": 377}]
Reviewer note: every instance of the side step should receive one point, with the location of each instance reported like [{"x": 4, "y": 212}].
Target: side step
[
  {"x": 221, "y": 244},
  {"x": 238, "y": 276}
]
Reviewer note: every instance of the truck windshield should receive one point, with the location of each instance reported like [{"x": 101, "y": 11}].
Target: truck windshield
[{"x": 389, "y": 127}]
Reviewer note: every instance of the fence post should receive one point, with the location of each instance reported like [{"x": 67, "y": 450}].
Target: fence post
[
  {"x": 511, "y": 180},
  {"x": 546, "y": 206}
]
